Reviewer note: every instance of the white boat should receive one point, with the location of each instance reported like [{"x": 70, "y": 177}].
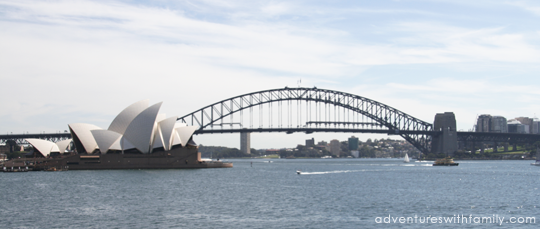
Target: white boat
[
  {"x": 537, "y": 163},
  {"x": 406, "y": 160},
  {"x": 298, "y": 172}
]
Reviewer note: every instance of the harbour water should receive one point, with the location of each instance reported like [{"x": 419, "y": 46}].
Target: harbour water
[{"x": 330, "y": 193}]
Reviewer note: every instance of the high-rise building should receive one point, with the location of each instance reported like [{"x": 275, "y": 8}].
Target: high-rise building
[
  {"x": 498, "y": 125},
  {"x": 310, "y": 142},
  {"x": 353, "y": 143},
  {"x": 482, "y": 123},
  {"x": 335, "y": 147},
  {"x": 536, "y": 126},
  {"x": 528, "y": 122},
  {"x": 493, "y": 124}
]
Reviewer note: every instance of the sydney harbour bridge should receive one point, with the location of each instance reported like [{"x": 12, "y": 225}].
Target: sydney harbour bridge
[{"x": 311, "y": 110}]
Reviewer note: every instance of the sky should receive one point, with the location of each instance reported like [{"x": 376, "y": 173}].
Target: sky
[{"x": 82, "y": 61}]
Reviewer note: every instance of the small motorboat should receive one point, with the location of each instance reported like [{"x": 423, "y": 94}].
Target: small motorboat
[{"x": 298, "y": 172}]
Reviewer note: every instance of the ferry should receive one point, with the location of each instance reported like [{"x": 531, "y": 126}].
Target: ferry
[{"x": 448, "y": 161}]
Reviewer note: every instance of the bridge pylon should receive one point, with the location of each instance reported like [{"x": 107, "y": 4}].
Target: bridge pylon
[
  {"x": 245, "y": 142},
  {"x": 446, "y": 141}
]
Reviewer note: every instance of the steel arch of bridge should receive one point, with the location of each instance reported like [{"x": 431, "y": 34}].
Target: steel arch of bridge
[{"x": 393, "y": 121}]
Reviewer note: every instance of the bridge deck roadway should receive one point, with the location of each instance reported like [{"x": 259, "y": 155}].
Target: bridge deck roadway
[
  {"x": 462, "y": 136},
  {"x": 19, "y": 138},
  {"x": 312, "y": 130}
]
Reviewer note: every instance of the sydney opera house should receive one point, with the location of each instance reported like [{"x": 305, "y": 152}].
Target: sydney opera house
[{"x": 138, "y": 138}]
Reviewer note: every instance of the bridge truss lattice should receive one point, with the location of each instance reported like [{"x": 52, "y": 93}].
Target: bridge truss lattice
[{"x": 308, "y": 110}]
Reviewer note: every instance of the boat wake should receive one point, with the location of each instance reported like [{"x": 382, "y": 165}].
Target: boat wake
[
  {"x": 417, "y": 165},
  {"x": 329, "y": 172},
  {"x": 299, "y": 172}
]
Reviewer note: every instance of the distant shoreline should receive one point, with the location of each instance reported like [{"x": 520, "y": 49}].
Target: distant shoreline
[{"x": 427, "y": 159}]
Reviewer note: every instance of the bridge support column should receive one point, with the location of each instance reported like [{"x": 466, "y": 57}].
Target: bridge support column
[
  {"x": 245, "y": 142},
  {"x": 495, "y": 146},
  {"x": 446, "y": 142},
  {"x": 506, "y": 147}
]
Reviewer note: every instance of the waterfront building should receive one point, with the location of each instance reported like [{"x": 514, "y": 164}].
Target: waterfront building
[
  {"x": 138, "y": 138},
  {"x": 310, "y": 142},
  {"x": 528, "y": 122},
  {"x": 492, "y": 124},
  {"x": 514, "y": 126},
  {"x": 335, "y": 147},
  {"x": 136, "y": 129},
  {"x": 498, "y": 124},
  {"x": 353, "y": 143},
  {"x": 536, "y": 126},
  {"x": 482, "y": 123}
]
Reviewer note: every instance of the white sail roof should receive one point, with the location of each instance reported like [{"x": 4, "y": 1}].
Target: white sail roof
[
  {"x": 122, "y": 120},
  {"x": 43, "y": 146},
  {"x": 116, "y": 145},
  {"x": 160, "y": 117},
  {"x": 136, "y": 127},
  {"x": 185, "y": 133},
  {"x": 179, "y": 124},
  {"x": 176, "y": 138},
  {"x": 140, "y": 131},
  {"x": 105, "y": 139},
  {"x": 158, "y": 139},
  {"x": 124, "y": 144},
  {"x": 80, "y": 132},
  {"x": 167, "y": 130},
  {"x": 62, "y": 145}
]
